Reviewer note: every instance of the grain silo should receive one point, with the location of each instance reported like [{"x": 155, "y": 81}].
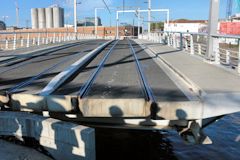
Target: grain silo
[
  {"x": 34, "y": 15},
  {"x": 58, "y": 17},
  {"x": 41, "y": 18},
  {"x": 49, "y": 17}
]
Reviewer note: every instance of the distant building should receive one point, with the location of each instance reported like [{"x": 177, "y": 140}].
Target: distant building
[
  {"x": 89, "y": 21},
  {"x": 68, "y": 25},
  {"x": 11, "y": 28},
  {"x": 235, "y": 18},
  {"x": 2, "y": 25},
  {"x": 184, "y": 25},
  {"x": 231, "y": 26},
  {"x": 52, "y": 17}
]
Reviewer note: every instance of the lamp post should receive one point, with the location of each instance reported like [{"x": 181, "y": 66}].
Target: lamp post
[{"x": 149, "y": 16}]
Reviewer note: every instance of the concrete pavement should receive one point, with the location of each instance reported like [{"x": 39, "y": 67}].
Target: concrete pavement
[{"x": 210, "y": 78}]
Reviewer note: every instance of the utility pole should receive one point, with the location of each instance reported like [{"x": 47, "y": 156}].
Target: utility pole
[
  {"x": 138, "y": 16},
  {"x": 133, "y": 29},
  {"x": 149, "y": 16},
  {"x": 212, "y": 27},
  {"x": 96, "y": 21},
  {"x": 17, "y": 13},
  {"x": 75, "y": 16}
]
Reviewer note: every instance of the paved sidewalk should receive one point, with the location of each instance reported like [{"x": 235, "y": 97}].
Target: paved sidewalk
[{"x": 210, "y": 78}]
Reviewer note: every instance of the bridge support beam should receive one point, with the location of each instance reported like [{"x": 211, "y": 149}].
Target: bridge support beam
[{"x": 212, "y": 27}]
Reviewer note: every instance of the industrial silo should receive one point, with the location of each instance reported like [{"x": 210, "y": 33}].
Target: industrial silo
[
  {"x": 34, "y": 15},
  {"x": 49, "y": 17},
  {"x": 58, "y": 17},
  {"x": 62, "y": 17},
  {"x": 41, "y": 18}
]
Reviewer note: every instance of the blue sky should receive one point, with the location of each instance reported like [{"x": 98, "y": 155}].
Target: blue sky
[{"x": 190, "y": 9}]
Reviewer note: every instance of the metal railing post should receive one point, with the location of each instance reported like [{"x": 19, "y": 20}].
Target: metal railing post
[
  {"x": 215, "y": 45},
  {"x": 168, "y": 40},
  {"x": 38, "y": 41},
  {"x": 6, "y": 44},
  {"x": 33, "y": 41},
  {"x": 14, "y": 41},
  {"x": 227, "y": 57},
  {"x": 191, "y": 44},
  {"x": 59, "y": 37},
  {"x": 217, "y": 56},
  {"x": 46, "y": 39},
  {"x": 160, "y": 38},
  {"x": 199, "y": 49},
  {"x": 181, "y": 41},
  {"x": 174, "y": 41},
  {"x": 21, "y": 42},
  {"x": 186, "y": 44},
  {"x": 28, "y": 37},
  {"x": 63, "y": 37},
  {"x": 43, "y": 40},
  {"x": 54, "y": 37}
]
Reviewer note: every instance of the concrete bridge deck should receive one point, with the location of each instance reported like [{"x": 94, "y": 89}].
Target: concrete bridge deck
[
  {"x": 120, "y": 79},
  {"x": 217, "y": 86}
]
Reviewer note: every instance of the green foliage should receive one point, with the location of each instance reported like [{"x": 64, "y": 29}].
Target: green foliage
[{"x": 157, "y": 26}]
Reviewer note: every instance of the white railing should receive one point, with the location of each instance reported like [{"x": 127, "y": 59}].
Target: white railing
[
  {"x": 16, "y": 40},
  {"x": 196, "y": 44}
]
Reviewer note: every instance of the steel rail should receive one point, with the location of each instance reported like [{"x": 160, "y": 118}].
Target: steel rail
[
  {"x": 147, "y": 90},
  {"x": 29, "y": 81},
  {"x": 35, "y": 53},
  {"x": 45, "y": 52},
  {"x": 85, "y": 88}
]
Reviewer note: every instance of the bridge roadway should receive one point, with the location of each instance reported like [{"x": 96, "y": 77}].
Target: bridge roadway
[
  {"x": 119, "y": 77},
  {"x": 123, "y": 79}
]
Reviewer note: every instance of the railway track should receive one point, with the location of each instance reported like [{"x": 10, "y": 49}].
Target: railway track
[
  {"x": 34, "y": 67},
  {"x": 93, "y": 79},
  {"x": 116, "y": 83}
]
